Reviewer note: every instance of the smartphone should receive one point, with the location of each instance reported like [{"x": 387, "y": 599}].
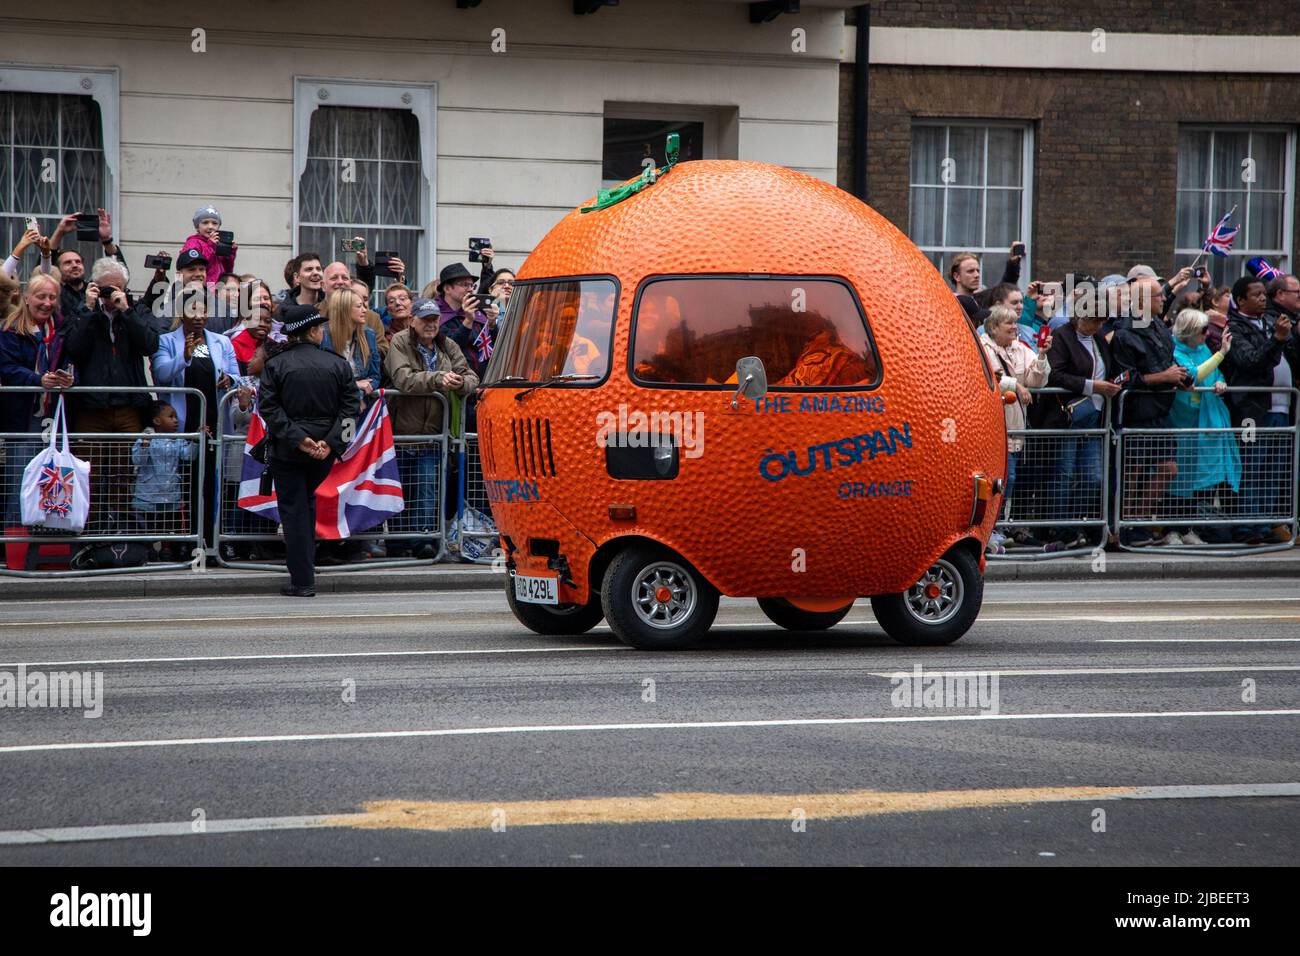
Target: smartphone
[
  {"x": 383, "y": 266},
  {"x": 87, "y": 226},
  {"x": 33, "y": 224},
  {"x": 1042, "y": 336},
  {"x": 1017, "y": 248},
  {"x": 158, "y": 262},
  {"x": 484, "y": 301},
  {"x": 1199, "y": 272},
  {"x": 353, "y": 245},
  {"x": 475, "y": 244}
]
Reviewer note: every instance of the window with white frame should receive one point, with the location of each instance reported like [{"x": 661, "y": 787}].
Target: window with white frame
[
  {"x": 971, "y": 190},
  {"x": 1251, "y": 168},
  {"x": 635, "y": 133},
  {"x": 364, "y": 156},
  {"x": 51, "y": 164}
]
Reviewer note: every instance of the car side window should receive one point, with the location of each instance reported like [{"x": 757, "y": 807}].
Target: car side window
[{"x": 809, "y": 332}]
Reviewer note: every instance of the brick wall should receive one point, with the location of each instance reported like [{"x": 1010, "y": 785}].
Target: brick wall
[
  {"x": 1105, "y": 168},
  {"x": 1218, "y": 17}
]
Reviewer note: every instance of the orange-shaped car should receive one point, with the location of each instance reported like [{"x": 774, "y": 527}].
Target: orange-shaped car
[{"x": 737, "y": 379}]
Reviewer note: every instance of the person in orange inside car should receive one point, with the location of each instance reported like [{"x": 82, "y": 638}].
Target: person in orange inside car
[{"x": 763, "y": 423}]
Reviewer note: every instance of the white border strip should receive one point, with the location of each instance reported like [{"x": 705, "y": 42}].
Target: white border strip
[
  {"x": 1074, "y": 50},
  {"x": 588, "y": 728},
  {"x": 133, "y": 831}
]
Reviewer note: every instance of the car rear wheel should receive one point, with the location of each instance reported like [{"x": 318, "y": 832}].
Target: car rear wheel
[
  {"x": 655, "y": 601},
  {"x": 937, "y": 609},
  {"x": 558, "y": 619},
  {"x": 784, "y": 614}
]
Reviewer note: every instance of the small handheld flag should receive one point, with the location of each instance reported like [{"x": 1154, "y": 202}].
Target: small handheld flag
[
  {"x": 483, "y": 343},
  {"x": 1219, "y": 242}
]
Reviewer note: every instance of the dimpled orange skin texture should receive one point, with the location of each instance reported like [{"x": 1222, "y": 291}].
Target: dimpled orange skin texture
[{"x": 738, "y": 529}]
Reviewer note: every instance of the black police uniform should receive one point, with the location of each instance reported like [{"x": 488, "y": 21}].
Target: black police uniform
[{"x": 306, "y": 392}]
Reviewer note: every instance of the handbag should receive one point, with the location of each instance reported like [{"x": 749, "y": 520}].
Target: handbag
[
  {"x": 1083, "y": 413},
  {"x": 56, "y": 485}
]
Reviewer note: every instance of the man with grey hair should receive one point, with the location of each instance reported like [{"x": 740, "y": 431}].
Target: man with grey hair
[{"x": 109, "y": 340}]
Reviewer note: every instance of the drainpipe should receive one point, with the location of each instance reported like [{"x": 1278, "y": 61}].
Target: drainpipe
[{"x": 860, "y": 65}]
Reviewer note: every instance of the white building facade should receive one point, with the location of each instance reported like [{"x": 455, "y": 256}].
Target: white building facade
[{"x": 416, "y": 124}]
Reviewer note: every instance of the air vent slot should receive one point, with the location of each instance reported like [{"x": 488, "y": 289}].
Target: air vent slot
[{"x": 531, "y": 440}]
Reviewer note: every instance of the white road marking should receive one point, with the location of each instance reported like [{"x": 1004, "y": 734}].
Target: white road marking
[
  {"x": 666, "y": 725},
  {"x": 323, "y": 655},
  {"x": 330, "y": 655},
  {"x": 133, "y": 831},
  {"x": 281, "y": 620},
  {"x": 1085, "y": 671},
  {"x": 244, "y": 622},
  {"x": 1196, "y": 640}
]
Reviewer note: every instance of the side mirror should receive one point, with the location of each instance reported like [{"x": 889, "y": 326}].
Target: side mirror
[{"x": 751, "y": 379}]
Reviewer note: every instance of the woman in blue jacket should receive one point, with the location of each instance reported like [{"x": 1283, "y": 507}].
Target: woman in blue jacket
[
  {"x": 31, "y": 353},
  {"x": 190, "y": 356},
  {"x": 347, "y": 335}
]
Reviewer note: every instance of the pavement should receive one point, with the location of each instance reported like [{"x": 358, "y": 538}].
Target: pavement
[
  {"x": 1130, "y": 723},
  {"x": 1154, "y": 565}
]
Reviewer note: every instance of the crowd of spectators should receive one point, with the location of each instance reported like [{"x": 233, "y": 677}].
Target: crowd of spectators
[
  {"x": 1184, "y": 351},
  {"x": 208, "y": 328},
  {"x": 1062, "y": 354}
]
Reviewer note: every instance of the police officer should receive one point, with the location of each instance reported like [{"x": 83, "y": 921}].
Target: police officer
[{"x": 307, "y": 395}]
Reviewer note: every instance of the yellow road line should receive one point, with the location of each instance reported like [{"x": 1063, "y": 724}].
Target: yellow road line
[{"x": 678, "y": 807}]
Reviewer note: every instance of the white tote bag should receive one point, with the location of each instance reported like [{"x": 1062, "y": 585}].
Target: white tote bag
[{"x": 56, "y": 486}]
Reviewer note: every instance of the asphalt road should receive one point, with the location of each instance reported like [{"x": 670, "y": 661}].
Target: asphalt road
[{"x": 1132, "y": 724}]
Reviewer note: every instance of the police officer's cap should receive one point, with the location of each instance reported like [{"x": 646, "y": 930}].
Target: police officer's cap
[{"x": 299, "y": 318}]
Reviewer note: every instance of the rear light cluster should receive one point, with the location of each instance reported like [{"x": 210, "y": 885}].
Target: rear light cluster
[
  {"x": 531, "y": 441},
  {"x": 985, "y": 490}
]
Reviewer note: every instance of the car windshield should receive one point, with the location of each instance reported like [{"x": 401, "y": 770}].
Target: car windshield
[
  {"x": 809, "y": 332},
  {"x": 555, "y": 328}
]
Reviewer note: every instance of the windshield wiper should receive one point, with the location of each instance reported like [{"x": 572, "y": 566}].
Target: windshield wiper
[{"x": 554, "y": 379}]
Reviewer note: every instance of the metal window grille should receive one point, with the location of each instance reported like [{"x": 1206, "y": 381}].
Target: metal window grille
[
  {"x": 362, "y": 178},
  {"x": 51, "y": 164}
]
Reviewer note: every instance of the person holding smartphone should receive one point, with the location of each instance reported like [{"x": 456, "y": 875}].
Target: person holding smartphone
[{"x": 467, "y": 316}]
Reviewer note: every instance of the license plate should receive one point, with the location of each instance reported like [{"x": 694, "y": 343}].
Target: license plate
[{"x": 536, "y": 590}]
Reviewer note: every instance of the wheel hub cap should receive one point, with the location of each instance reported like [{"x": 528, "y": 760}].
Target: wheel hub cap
[
  {"x": 663, "y": 595},
  {"x": 938, "y": 596}
]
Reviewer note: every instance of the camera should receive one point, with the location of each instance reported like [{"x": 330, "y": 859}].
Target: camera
[
  {"x": 1199, "y": 272},
  {"x": 383, "y": 265},
  {"x": 87, "y": 227},
  {"x": 475, "y": 244},
  {"x": 163, "y": 263},
  {"x": 224, "y": 246}
]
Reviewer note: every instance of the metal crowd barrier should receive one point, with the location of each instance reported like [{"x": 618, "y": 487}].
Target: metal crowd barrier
[
  {"x": 477, "y": 533},
  {"x": 1267, "y": 460},
  {"x": 1062, "y": 480},
  {"x": 116, "y": 516},
  {"x": 422, "y": 467}
]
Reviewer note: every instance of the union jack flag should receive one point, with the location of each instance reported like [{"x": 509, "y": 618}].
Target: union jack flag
[
  {"x": 483, "y": 343},
  {"x": 56, "y": 488},
  {"x": 361, "y": 492},
  {"x": 1260, "y": 268},
  {"x": 1219, "y": 241}
]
